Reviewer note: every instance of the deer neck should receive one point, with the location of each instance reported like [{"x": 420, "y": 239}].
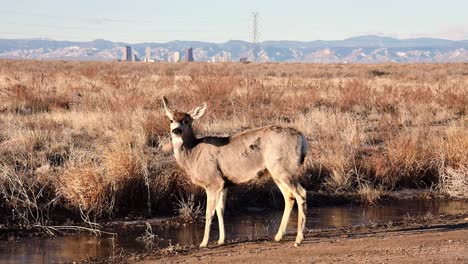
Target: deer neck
[{"x": 182, "y": 147}]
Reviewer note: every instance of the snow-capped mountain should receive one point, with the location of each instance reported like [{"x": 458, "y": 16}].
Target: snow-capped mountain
[{"x": 362, "y": 49}]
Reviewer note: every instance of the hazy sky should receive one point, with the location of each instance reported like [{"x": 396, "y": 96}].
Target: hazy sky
[{"x": 219, "y": 21}]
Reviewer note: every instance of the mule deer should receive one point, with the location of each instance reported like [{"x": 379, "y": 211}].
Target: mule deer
[{"x": 216, "y": 162}]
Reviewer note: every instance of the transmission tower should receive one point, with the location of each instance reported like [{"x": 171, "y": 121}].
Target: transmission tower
[{"x": 255, "y": 49}]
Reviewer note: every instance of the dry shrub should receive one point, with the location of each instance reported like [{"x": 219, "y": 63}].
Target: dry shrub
[
  {"x": 407, "y": 160},
  {"x": 377, "y": 73},
  {"x": 352, "y": 94},
  {"x": 454, "y": 150},
  {"x": 453, "y": 153},
  {"x": 85, "y": 188},
  {"x": 122, "y": 164},
  {"x": 30, "y": 150},
  {"x": 336, "y": 139},
  {"x": 125, "y": 172},
  {"x": 118, "y": 186},
  {"x": 27, "y": 100},
  {"x": 453, "y": 95},
  {"x": 155, "y": 128},
  {"x": 188, "y": 210},
  {"x": 370, "y": 195},
  {"x": 454, "y": 182},
  {"x": 30, "y": 199}
]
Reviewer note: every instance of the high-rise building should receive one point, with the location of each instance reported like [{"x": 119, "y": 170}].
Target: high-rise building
[
  {"x": 176, "y": 56},
  {"x": 127, "y": 54},
  {"x": 189, "y": 54},
  {"x": 226, "y": 56},
  {"x": 148, "y": 53}
]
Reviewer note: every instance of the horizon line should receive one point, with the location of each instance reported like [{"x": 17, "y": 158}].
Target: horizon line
[{"x": 212, "y": 42}]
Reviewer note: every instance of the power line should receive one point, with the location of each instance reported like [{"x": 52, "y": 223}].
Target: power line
[{"x": 255, "y": 49}]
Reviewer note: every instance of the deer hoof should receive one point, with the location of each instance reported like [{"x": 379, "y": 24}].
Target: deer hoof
[
  {"x": 221, "y": 242},
  {"x": 278, "y": 237},
  {"x": 203, "y": 244},
  {"x": 298, "y": 241}
]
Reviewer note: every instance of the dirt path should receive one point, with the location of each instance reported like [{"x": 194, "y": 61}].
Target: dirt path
[{"x": 417, "y": 243}]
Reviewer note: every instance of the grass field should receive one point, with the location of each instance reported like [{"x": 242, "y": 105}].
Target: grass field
[{"x": 92, "y": 136}]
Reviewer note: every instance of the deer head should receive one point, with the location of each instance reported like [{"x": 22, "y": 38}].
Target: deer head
[{"x": 181, "y": 122}]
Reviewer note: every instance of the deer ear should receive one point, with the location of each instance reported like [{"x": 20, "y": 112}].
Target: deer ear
[
  {"x": 198, "y": 111},
  {"x": 168, "y": 111}
]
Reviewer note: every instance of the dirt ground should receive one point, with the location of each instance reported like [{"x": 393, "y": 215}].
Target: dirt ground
[{"x": 436, "y": 241}]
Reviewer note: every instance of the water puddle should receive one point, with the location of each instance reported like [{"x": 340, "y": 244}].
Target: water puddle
[{"x": 247, "y": 226}]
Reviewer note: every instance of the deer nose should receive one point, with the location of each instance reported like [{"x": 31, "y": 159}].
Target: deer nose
[{"x": 177, "y": 131}]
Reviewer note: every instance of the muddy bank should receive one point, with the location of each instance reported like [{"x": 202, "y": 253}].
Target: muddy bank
[
  {"x": 142, "y": 238},
  {"x": 441, "y": 239}
]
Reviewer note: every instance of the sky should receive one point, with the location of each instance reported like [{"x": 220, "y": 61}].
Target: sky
[{"x": 219, "y": 21}]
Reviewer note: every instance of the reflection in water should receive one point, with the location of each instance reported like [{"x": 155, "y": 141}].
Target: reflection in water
[
  {"x": 251, "y": 226},
  {"x": 50, "y": 250}
]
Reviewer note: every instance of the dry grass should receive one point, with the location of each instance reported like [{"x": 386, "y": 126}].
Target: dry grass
[
  {"x": 95, "y": 133},
  {"x": 187, "y": 209},
  {"x": 455, "y": 182},
  {"x": 370, "y": 195}
]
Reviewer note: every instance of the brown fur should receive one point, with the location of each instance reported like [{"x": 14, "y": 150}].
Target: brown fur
[{"x": 180, "y": 116}]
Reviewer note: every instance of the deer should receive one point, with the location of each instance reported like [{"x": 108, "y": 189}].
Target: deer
[{"x": 215, "y": 163}]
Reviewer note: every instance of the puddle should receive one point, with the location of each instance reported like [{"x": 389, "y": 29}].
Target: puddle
[{"x": 247, "y": 226}]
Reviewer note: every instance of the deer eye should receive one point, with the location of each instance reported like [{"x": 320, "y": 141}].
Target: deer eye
[
  {"x": 185, "y": 121},
  {"x": 170, "y": 120}
]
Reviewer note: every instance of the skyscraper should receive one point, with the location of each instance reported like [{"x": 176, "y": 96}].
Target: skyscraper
[
  {"x": 176, "y": 56},
  {"x": 226, "y": 56},
  {"x": 127, "y": 54},
  {"x": 189, "y": 55},
  {"x": 148, "y": 53}
]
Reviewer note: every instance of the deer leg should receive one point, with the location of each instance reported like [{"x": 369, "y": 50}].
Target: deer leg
[
  {"x": 288, "y": 206},
  {"x": 302, "y": 205},
  {"x": 212, "y": 196},
  {"x": 285, "y": 177},
  {"x": 220, "y": 212},
  {"x": 300, "y": 195}
]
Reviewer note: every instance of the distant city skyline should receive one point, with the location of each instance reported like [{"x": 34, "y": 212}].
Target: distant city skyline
[{"x": 220, "y": 21}]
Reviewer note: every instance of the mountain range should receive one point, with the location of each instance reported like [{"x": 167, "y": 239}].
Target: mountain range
[{"x": 361, "y": 49}]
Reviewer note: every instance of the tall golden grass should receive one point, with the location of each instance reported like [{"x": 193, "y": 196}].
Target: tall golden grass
[{"x": 94, "y": 133}]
